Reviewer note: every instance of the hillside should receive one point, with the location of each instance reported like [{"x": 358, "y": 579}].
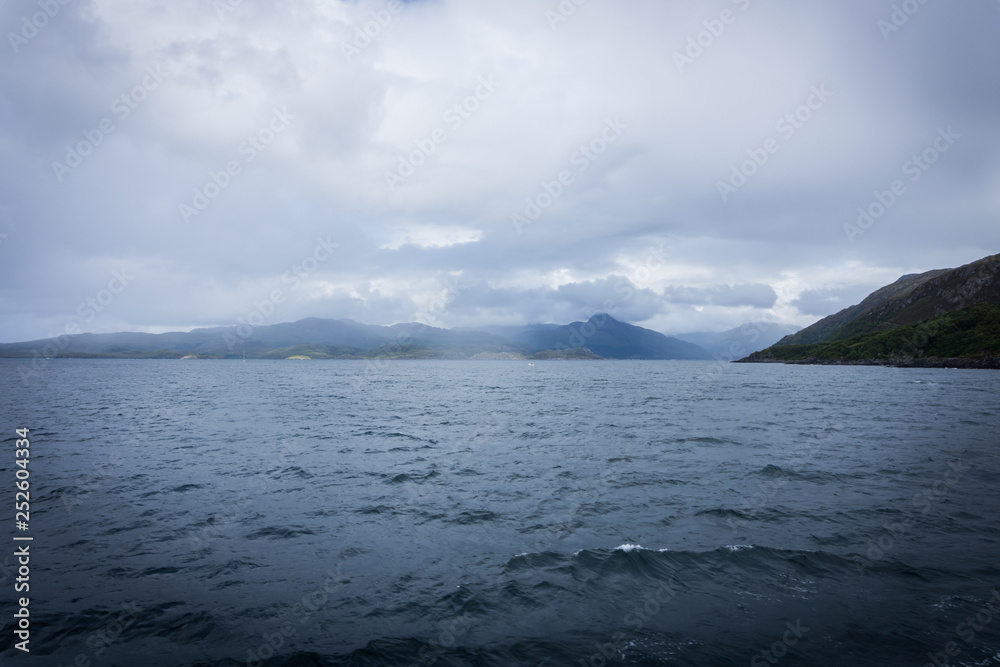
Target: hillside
[{"x": 942, "y": 317}]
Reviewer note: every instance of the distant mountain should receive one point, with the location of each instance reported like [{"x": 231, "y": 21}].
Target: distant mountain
[
  {"x": 605, "y": 336},
  {"x": 601, "y": 336},
  {"x": 942, "y": 317},
  {"x": 314, "y": 337},
  {"x": 510, "y": 331},
  {"x": 743, "y": 340}
]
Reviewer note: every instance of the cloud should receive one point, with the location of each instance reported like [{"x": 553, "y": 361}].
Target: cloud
[
  {"x": 756, "y": 295},
  {"x": 280, "y": 123},
  {"x": 823, "y": 302}
]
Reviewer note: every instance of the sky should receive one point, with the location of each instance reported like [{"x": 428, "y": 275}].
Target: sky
[{"x": 683, "y": 165}]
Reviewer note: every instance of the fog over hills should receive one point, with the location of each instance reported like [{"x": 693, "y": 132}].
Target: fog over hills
[
  {"x": 600, "y": 336},
  {"x": 739, "y": 341}
]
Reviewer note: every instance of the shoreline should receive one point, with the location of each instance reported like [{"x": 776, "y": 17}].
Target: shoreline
[{"x": 986, "y": 363}]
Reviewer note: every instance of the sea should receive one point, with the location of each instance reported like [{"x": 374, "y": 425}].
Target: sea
[{"x": 452, "y": 513}]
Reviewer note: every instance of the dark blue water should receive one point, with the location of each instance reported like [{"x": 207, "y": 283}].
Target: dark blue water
[{"x": 501, "y": 513}]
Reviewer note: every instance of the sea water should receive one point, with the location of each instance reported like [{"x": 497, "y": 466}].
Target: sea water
[{"x": 501, "y": 513}]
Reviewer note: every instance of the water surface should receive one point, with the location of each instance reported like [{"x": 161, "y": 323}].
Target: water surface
[{"x": 498, "y": 513}]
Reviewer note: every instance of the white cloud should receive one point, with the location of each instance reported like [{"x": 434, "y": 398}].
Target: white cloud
[{"x": 429, "y": 236}]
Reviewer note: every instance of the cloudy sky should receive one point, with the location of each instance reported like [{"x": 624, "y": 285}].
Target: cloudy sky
[{"x": 686, "y": 165}]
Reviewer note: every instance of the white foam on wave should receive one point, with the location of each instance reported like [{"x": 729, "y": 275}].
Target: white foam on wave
[
  {"x": 628, "y": 547},
  {"x": 739, "y": 547}
]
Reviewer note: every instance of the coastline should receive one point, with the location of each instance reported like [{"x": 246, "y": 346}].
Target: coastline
[{"x": 987, "y": 363}]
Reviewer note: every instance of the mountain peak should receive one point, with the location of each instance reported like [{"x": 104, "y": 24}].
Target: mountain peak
[{"x": 599, "y": 319}]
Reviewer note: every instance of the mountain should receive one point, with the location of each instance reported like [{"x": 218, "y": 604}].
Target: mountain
[
  {"x": 510, "y": 331},
  {"x": 605, "y": 336},
  {"x": 314, "y": 337},
  {"x": 744, "y": 339},
  {"x": 601, "y": 336},
  {"x": 945, "y": 317}
]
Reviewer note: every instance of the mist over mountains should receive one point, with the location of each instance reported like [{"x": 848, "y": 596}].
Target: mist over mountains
[
  {"x": 602, "y": 336},
  {"x": 739, "y": 341},
  {"x": 939, "y": 317}
]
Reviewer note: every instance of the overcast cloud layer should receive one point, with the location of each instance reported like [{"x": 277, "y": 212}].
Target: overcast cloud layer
[{"x": 183, "y": 164}]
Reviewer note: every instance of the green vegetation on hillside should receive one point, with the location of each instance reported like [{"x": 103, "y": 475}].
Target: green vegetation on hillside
[
  {"x": 971, "y": 333},
  {"x": 910, "y": 300}
]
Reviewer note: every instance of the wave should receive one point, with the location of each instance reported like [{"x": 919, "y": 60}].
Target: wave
[
  {"x": 415, "y": 477},
  {"x": 279, "y": 533},
  {"x": 630, "y": 558}
]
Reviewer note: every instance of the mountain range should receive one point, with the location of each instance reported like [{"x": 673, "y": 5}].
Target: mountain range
[
  {"x": 944, "y": 317},
  {"x": 602, "y": 336}
]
